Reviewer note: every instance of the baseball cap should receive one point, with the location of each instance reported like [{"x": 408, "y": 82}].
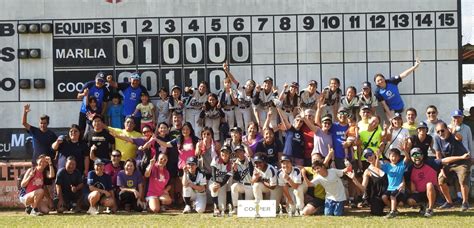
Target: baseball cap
[
  {"x": 98, "y": 161},
  {"x": 100, "y": 77},
  {"x": 457, "y": 113},
  {"x": 175, "y": 87},
  {"x": 326, "y": 118},
  {"x": 259, "y": 158},
  {"x": 309, "y": 112},
  {"x": 367, "y": 152},
  {"x": 191, "y": 160},
  {"x": 237, "y": 129},
  {"x": 422, "y": 125},
  {"x": 135, "y": 76},
  {"x": 268, "y": 79},
  {"x": 239, "y": 148},
  {"x": 98, "y": 116},
  {"x": 285, "y": 158},
  {"x": 366, "y": 85},
  {"x": 366, "y": 107},
  {"x": 397, "y": 115},
  {"x": 225, "y": 149},
  {"x": 311, "y": 82},
  {"x": 415, "y": 150},
  {"x": 342, "y": 109},
  {"x": 295, "y": 84}
]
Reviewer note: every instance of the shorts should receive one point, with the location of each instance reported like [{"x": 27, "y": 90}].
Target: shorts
[
  {"x": 332, "y": 207},
  {"x": 316, "y": 202},
  {"x": 401, "y": 196},
  {"x": 419, "y": 197},
  {"x": 462, "y": 171}
]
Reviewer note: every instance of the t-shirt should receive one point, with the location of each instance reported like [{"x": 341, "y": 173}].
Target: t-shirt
[
  {"x": 158, "y": 181},
  {"x": 173, "y": 156},
  {"x": 308, "y": 136},
  {"x": 451, "y": 147},
  {"x": 162, "y": 110},
  {"x": 146, "y": 111},
  {"x": 390, "y": 93},
  {"x": 374, "y": 143},
  {"x": 65, "y": 180},
  {"x": 185, "y": 151},
  {"x": 294, "y": 143},
  {"x": 78, "y": 149},
  {"x": 112, "y": 171},
  {"x": 36, "y": 182},
  {"x": 397, "y": 140},
  {"x": 332, "y": 184},
  {"x": 129, "y": 150},
  {"x": 103, "y": 141},
  {"x": 338, "y": 131},
  {"x": 411, "y": 128},
  {"x": 42, "y": 142},
  {"x": 101, "y": 94},
  {"x": 318, "y": 191},
  {"x": 295, "y": 176},
  {"x": 423, "y": 175},
  {"x": 321, "y": 142},
  {"x": 394, "y": 174},
  {"x": 271, "y": 151},
  {"x": 101, "y": 182},
  {"x": 115, "y": 115},
  {"x": 126, "y": 181},
  {"x": 131, "y": 97},
  {"x": 423, "y": 145}
]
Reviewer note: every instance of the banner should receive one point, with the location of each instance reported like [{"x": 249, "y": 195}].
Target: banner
[{"x": 9, "y": 174}]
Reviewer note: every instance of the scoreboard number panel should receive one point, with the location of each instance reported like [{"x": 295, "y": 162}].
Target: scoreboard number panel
[{"x": 184, "y": 51}]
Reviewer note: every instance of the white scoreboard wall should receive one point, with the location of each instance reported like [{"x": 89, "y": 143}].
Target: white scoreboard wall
[{"x": 184, "y": 42}]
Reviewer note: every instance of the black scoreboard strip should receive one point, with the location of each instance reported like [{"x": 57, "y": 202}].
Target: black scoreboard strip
[{"x": 186, "y": 50}]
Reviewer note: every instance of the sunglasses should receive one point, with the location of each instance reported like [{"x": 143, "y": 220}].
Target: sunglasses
[
  {"x": 440, "y": 131},
  {"x": 416, "y": 155}
]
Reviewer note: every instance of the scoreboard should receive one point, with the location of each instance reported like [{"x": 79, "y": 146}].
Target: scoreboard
[{"x": 185, "y": 42}]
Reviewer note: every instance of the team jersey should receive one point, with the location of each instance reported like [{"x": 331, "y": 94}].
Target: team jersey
[
  {"x": 370, "y": 101},
  {"x": 174, "y": 104},
  {"x": 331, "y": 97},
  {"x": 295, "y": 176},
  {"x": 390, "y": 94},
  {"x": 265, "y": 100},
  {"x": 245, "y": 101},
  {"x": 225, "y": 98},
  {"x": 212, "y": 113},
  {"x": 221, "y": 169},
  {"x": 308, "y": 100},
  {"x": 197, "y": 179},
  {"x": 289, "y": 103},
  {"x": 196, "y": 100},
  {"x": 270, "y": 175},
  {"x": 244, "y": 171},
  {"x": 162, "y": 110},
  {"x": 101, "y": 94},
  {"x": 131, "y": 97}
]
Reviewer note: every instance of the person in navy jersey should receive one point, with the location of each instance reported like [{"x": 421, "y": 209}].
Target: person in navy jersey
[
  {"x": 387, "y": 92},
  {"x": 97, "y": 89},
  {"x": 131, "y": 95},
  {"x": 294, "y": 141},
  {"x": 43, "y": 138},
  {"x": 72, "y": 145}
]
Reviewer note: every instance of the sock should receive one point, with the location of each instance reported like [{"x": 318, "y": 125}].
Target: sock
[
  {"x": 215, "y": 201},
  {"x": 229, "y": 199},
  {"x": 187, "y": 200}
]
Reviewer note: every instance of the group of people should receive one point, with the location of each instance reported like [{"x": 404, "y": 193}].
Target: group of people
[{"x": 312, "y": 152}]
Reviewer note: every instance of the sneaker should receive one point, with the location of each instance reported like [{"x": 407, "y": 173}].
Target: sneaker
[
  {"x": 107, "y": 210},
  {"x": 92, "y": 211},
  {"x": 233, "y": 211},
  {"x": 429, "y": 213},
  {"x": 217, "y": 212},
  {"x": 391, "y": 214},
  {"x": 298, "y": 212},
  {"x": 187, "y": 209},
  {"x": 28, "y": 209},
  {"x": 446, "y": 205},
  {"x": 422, "y": 210},
  {"x": 35, "y": 213},
  {"x": 465, "y": 206},
  {"x": 352, "y": 204}
]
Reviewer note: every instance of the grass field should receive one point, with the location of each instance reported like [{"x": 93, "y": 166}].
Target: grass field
[{"x": 407, "y": 218}]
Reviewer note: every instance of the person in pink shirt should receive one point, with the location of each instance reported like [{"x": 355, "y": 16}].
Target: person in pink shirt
[
  {"x": 112, "y": 169},
  {"x": 158, "y": 190},
  {"x": 32, "y": 193}
]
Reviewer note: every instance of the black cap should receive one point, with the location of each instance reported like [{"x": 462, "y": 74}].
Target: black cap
[
  {"x": 415, "y": 150},
  {"x": 239, "y": 148},
  {"x": 226, "y": 149},
  {"x": 259, "y": 158},
  {"x": 311, "y": 82},
  {"x": 422, "y": 125},
  {"x": 98, "y": 161},
  {"x": 237, "y": 129},
  {"x": 295, "y": 84},
  {"x": 366, "y": 85},
  {"x": 342, "y": 109},
  {"x": 366, "y": 107},
  {"x": 98, "y": 116},
  {"x": 285, "y": 158},
  {"x": 397, "y": 115},
  {"x": 268, "y": 79},
  {"x": 191, "y": 160}
]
